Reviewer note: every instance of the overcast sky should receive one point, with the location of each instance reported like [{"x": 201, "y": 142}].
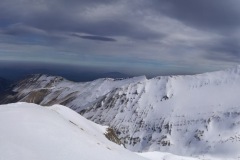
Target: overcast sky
[{"x": 131, "y": 36}]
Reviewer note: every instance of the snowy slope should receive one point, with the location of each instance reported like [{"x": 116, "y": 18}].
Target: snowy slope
[
  {"x": 169, "y": 156},
  {"x": 165, "y": 156},
  {"x": 32, "y": 132},
  {"x": 184, "y": 115}
]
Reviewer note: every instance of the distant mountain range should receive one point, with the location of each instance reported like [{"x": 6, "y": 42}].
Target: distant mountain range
[
  {"x": 4, "y": 84},
  {"x": 185, "y": 115},
  {"x": 113, "y": 75},
  {"x": 77, "y": 74}
]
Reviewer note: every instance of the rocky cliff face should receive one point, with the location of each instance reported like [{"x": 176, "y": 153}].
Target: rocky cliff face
[{"x": 187, "y": 115}]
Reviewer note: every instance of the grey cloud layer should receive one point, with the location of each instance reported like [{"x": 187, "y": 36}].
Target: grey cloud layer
[
  {"x": 90, "y": 17},
  {"x": 173, "y": 31},
  {"x": 214, "y": 14}
]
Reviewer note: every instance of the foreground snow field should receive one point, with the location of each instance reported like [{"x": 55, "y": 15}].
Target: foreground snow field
[
  {"x": 170, "y": 156},
  {"x": 164, "y": 156},
  {"x": 32, "y": 132}
]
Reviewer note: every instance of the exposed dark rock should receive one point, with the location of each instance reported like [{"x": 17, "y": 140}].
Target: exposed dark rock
[{"x": 112, "y": 136}]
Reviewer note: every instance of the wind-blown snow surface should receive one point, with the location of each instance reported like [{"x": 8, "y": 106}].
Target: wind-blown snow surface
[
  {"x": 169, "y": 156},
  {"x": 185, "y": 115},
  {"x": 32, "y": 132}
]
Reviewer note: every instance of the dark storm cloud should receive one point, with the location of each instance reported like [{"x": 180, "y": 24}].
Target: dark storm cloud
[
  {"x": 21, "y": 29},
  {"x": 228, "y": 46},
  {"x": 219, "y": 16},
  {"x": 226, "y": 49},
  {"x": 214, "y": 14},
  {"x": 96, "y": 38}
]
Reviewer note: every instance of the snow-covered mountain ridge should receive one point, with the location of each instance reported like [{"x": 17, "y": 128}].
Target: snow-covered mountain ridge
[
  {"x": 29, "y": 131},
  {"x": 185, "y": 115}
]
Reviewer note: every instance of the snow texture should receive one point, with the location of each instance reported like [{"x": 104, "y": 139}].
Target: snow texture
[
  {"x": 32, "y": 132},
  {"x": 185, "y": 115}
]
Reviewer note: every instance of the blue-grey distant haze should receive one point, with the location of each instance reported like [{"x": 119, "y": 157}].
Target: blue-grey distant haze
[{"x": 134, "y": 37}]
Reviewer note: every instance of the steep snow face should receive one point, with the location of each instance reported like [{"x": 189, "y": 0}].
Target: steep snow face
[
  {"x": 186, "y": 115},
  {"x": 29, "y": 131}
]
